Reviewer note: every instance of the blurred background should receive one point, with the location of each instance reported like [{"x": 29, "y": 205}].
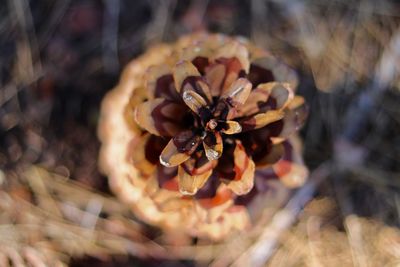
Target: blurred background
[{"x": 59, "y": 58}]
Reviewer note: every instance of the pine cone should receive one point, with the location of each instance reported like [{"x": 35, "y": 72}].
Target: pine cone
[{"x": 196, "y": 130}]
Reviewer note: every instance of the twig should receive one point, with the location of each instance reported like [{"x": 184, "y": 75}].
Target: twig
[
  {"x": 388, "y": 66},
  {"x": 354, "y": 235},
  {"x": 259, "y": 253},
  {"x": 157, "y": 29},
  {"x": 55, "y": 18},
  {"x": 110, "y": 35}
]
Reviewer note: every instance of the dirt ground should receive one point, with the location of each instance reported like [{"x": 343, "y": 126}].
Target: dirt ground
[{"x": 59, "y": 58}]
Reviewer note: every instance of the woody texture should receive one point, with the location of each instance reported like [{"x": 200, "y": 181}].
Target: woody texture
[{"x": 198, "y": 131}]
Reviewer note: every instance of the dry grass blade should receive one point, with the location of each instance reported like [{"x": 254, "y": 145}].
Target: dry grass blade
[
  {"x": 70, "y": 222},
  {"x": 58, "y": 59}
]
